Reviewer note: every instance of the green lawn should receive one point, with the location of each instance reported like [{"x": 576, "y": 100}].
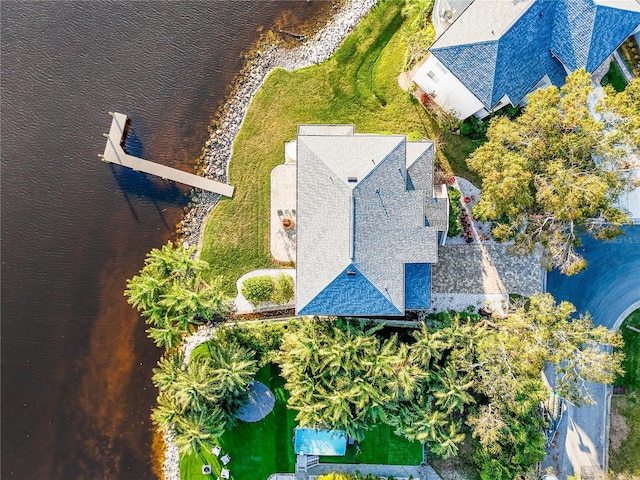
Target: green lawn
[
  {"x": 631, "y": 364},
  {"x": 357, "y": 85},
  {"x": 381, "y": 446},
  {"x": 627, "y": 459},
  {"x": 614, "y": 78},
  {"x": 257, "y": 449}
]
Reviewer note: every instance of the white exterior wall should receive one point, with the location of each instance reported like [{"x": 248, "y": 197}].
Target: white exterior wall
[
  {"x": 449, "y": 92},
  {"x": 630, "y": 200}
]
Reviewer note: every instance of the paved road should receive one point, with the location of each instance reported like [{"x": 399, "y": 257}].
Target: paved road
[
  {"x": 582, "y": 443},
  {"x": 611, "y": 282},
  {"x": 609, "y": 289}
]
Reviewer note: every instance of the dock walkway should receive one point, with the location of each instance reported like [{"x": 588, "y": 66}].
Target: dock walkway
[{"x": 114, "y": 153}]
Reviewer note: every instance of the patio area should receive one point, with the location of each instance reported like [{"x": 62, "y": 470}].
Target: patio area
[{"x": 283, "y": 207}]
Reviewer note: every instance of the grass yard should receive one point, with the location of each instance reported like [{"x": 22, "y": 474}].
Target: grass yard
[
  {"x": 357, "y": 85},
  {"x": 381, "y": 446},
  {"x": 257, "y": 449},
  {"x": 626, "y": 459},
  {"x": 614, "y": 78}
]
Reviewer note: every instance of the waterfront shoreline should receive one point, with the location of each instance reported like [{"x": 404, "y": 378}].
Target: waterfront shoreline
[{"x": 218, "y": 148}]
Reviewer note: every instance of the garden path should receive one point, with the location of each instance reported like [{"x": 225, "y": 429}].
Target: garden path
[{"x": 422, "y": 472}]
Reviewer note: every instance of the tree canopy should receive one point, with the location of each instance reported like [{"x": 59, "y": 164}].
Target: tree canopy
[
  {"x": 173, "y": 296},
  {"x": 456, "y": 374},
  {"x": 557, "y": 169}
]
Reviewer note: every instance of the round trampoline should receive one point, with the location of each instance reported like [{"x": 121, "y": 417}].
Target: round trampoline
[{"x": 259, "y": 404}]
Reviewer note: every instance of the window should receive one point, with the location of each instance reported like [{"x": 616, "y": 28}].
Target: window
[{"x": 432, "y": 76}]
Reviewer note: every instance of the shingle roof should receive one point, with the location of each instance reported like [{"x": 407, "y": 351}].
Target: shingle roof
[
  {"x": 419, "y": 163},
  {"x": 417, "y": 286},
  {"x": 586, "y": 33},
  {"x": 504, "y": 47},
  {"x": 483, "y": 21},
  {"x": 357, "y": 223},
  {"x": 514, "y": 61}
]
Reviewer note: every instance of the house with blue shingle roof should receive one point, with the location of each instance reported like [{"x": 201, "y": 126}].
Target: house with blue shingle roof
[
  {"x": 369, "y": 221},
  {"x": 491, "y": 53}
]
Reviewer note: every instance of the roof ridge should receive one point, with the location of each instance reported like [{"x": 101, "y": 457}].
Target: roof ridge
[
  {"x": 515, "y": 20},
  {"x": 337, "y": 176},
  {"x": 357, "y": 271},
  {"x": 403, "y": 139}
]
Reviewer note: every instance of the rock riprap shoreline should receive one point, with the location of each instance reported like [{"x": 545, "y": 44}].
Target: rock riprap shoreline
[{"x": 218, "y": 148}]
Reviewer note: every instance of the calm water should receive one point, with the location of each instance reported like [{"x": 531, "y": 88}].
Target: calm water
[{"x": 76, "y": 363}]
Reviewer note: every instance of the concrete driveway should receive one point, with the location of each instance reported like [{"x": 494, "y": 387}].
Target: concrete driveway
[{"x": 610, "y": 286}]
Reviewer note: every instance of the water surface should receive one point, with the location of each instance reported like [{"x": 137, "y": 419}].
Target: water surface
[{"x": 76, "y": 363}]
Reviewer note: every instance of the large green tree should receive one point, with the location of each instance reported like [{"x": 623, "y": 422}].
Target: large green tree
[
  {"x": 510, "y": 354},
  {"x": 557, "y": 169},
  {"x": 173, "y": 296}
]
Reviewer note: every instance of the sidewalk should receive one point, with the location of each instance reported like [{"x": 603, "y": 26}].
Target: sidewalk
[{"x": 422, "y": 472}]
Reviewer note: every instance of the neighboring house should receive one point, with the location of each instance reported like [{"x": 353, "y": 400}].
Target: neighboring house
[
  {"x": 491, "y": 53},
  {"x": 369, "y": 220}
]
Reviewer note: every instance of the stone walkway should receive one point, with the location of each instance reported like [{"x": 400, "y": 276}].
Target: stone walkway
[
  {"x": 485, "y": 269},
  {"x": 482, "y": 273},
  {"x": 422, "y": 472}
]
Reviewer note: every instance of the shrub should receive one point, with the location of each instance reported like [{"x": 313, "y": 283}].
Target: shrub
[
  {"x": 415, "y": 136},
  {"x": 474, "y": 128},
  {"x": 283, "y": 289},
  {"x": 455, "y": 211},
  {"x": 258, "y": 289}
]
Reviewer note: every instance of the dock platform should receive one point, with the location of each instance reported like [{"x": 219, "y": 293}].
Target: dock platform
[{"x": 114, "y": 153}]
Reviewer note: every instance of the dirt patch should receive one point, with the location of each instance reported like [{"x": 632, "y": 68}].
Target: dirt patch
[{"x": 619, "y": 429}]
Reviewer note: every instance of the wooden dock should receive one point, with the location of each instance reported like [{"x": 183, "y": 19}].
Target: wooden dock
[{"x": 114, "y": 153}]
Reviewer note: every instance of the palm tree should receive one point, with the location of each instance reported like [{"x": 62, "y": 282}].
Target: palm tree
[
  {"x": 198, "y": 429},
  {"x": 164, "y": 416},
  {"x": 428, "y": 347},
  {"x": 233, "y": 367},
  {"x": 417, "y": 420},
  {"x": 408, "y": 376},
  {"x": 196, "y": 388},
  {"x": 167, "y": 338},
  {"x": 447, "y": 443},
  {"x": 168, "y": 371},
  {"x": 452, "y": 394},
  {"x": 172, "y": 295}
]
